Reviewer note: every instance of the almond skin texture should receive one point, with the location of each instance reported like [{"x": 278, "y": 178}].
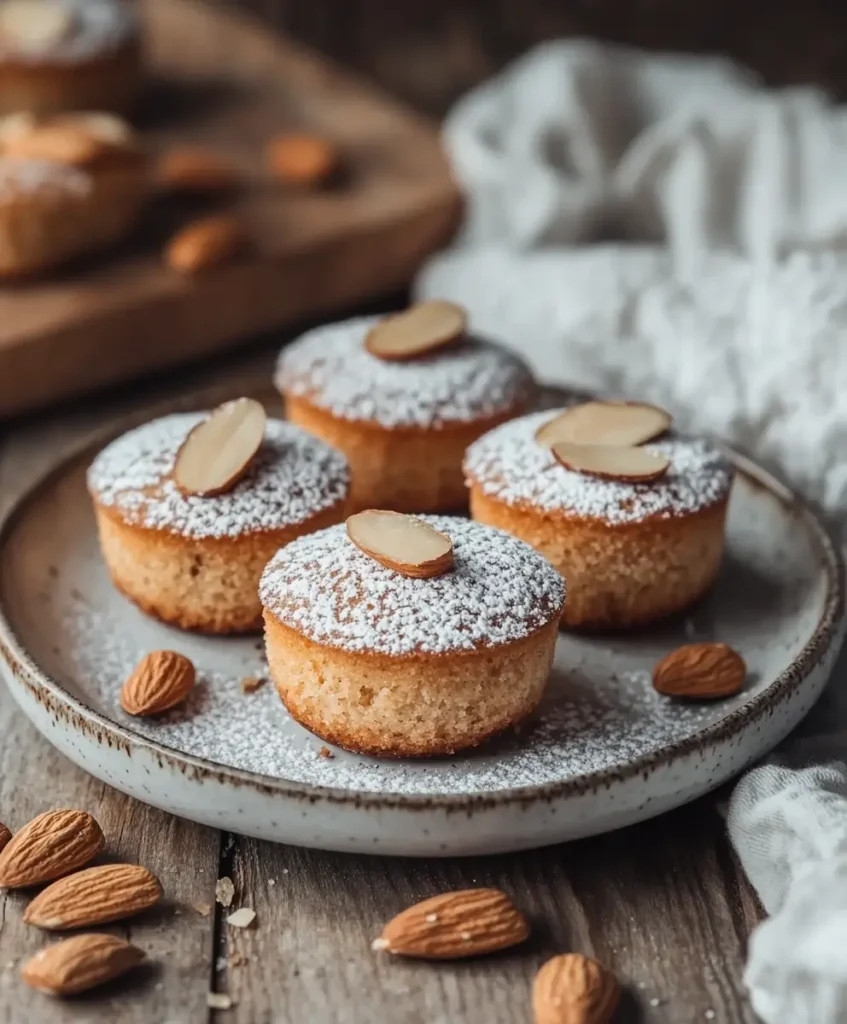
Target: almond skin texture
[
  {"x": 95, "y": 896},
  {"x": 700, "y": 672},
  {"x": 455, "y": 924},
  {"x": 51, "y": 845},
  {"x": 5, "y": 835},
  {"x": 573, "y": 989},
  {"x": 190, "y": 169},
  {"x": 78, "y": 964},
  {"x": 204, "y": 244},
  {"x": 161, "y": 680}
]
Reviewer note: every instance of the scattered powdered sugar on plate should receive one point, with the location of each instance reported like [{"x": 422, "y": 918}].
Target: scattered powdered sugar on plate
[
  {"x": 94, "y": 27},
  {"x": 600, "y": 711},
  {"x": 330, "y": 367},
  {"x": 24, "y": 178},
  {"x": 292, "y": 478},
  {"x": 508, "y": 464},
  {"x": 500, "y": 590}
]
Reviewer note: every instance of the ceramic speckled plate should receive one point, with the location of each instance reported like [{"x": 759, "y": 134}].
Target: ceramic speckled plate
[{"x": 604, "y": 751}]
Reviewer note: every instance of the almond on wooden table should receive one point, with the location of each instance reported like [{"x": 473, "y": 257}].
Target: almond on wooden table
[
  {"x": 302, "y": 159},
  {"x": 206, "y": 243},
  {"x": 195, "y": 169},
  {"x": 401, "y": 542},
  {"x": 78, "y": 964},
  {"x": 573, "y": 989},
  {"x": 51, "y": 845},
  {"x": 455, "y": 924},
  {"x": 161, "y": 680},
  {"x": 97, "y": 895},
  {"x": 219, "y": 450},
  {"x": 700, "y": 672}
]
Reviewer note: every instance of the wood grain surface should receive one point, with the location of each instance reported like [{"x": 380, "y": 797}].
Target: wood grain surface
[
  {"x": 221, "y": 80},
  {"x": 662, "y": 903}
]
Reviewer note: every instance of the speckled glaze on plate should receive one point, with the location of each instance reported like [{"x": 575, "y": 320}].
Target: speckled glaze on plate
[{"x": 604, "y": 750}]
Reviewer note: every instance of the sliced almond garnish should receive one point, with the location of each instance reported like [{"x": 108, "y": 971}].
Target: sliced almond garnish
[
  {"x": 105, "y": 127},
  {"x": 13, "y": 126},
  {"x": 418, "y": 331},
  {"x": 61, "y": 143},
  {"x": 611, "y": 462},
  {"x": 218, "y": 451},
  {"x": 400, "y": 542},
  {"x": 618, "y": 423},
  {"x": 34, "y": 24}
]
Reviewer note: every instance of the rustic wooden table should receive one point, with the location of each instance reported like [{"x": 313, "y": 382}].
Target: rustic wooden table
[{"x": 663, "y": 903}]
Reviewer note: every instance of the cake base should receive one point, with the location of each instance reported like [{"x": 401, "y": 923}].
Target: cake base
[
  {"x": 209, "y": 585},
  {"x": 415, "y": 706},
  {"x": 111, "y": 82},
  {"x": 619, "y": 575},
  {"x": 402, "y": 469}
]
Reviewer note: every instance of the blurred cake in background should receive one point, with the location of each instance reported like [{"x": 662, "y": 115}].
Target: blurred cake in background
[{"x": 58, "y": 55}]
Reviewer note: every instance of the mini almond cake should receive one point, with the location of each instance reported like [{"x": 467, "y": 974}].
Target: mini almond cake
[
  {"x": 58, "y": 55},
  {"x": 188, "y": 517},
  {"x": 636, "y": 528},
  {"x": 403, "y": 636},
  {"x": 68, "y": 186},
  {"x": 402, "y": 397}
]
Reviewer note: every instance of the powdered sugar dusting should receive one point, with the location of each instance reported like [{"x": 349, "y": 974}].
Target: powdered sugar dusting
[
  {"x": 292, "y": 478},
  {"x": 500, "y": 590},
  {"x": 330, "y": 367},
  {"x": 95, "y": 27},
  {"x": 510, "y": 465},
  {"x": 23, "y": 178},
  {"x": 599, "y": 712}
]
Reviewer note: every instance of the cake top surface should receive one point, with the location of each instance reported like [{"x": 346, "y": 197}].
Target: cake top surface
[
  {"x": 27, "y": 179},
  {"x": 293, "y": 477},
  {"x": 64, "y": 30},
  {"x": 499, "y": 591},
  {"x": 330, "y": 367},
  {"x": 508, "y": 464}
]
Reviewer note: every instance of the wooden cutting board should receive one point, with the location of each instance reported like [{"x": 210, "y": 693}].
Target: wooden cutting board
[{"x": 220, "y": 79}]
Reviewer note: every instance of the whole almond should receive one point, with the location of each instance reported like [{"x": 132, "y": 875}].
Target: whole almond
[
  {"x": 78, "y": 964},
  {"x": 5, "y": 835},
  {"x": 51, "y": 845},
  {"x": 192, "y": 169},
  {"x": 161, "y": 680},
  {"x": 700, "y": 672},
  {"x": 97, "y": 895},
  {"x": 573, "y": 989},
  {"x": 304, "y": 160},
  {"x": 205, "y": 243},
  {"x": 455, "y": 924},
  {"x": 400, "y": 542}
]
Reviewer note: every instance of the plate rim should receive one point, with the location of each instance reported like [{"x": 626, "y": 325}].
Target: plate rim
[{"x": 828, "y": 631}]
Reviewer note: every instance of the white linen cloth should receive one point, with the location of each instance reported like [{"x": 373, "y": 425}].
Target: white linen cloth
[{"x": 725, "y": 300}]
